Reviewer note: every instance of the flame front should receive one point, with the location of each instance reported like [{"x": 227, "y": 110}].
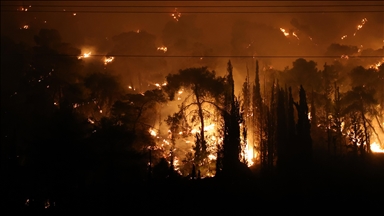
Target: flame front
[
  {"x": 376, "y": 148},
  {"x": 162, "y": 48},
  {"x": 152, "y": 132},
  {"x": 286, "y": 34},
  {"x": 377, "y": 65},
  {"x": 295, "y": 35},
  {"x": 363, "y": 21},
  {"x": 85, "y": 55},
  {"x": 108, "y": 60}
]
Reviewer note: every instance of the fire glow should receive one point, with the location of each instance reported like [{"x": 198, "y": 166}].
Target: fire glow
[
  {"x": 212, "y": 138},
  {"x": 376, "y": 148},
  {"x": 108, "y": 60},
  {"x": 363, "y": 21},
  {"x": 286, "y": 34},
  {"x": 85, "y": 55},
  {"x": 162, "y": 48},
  {"x": 377, "y": 65},
  {"x": 176, "y": 15}
]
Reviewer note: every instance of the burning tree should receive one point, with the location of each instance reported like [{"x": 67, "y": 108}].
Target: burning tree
[
  {"x": 104, "y": 91},
  {"x": 205, "y": 92},
  {"x": 248, "y": 146},
  {"x": 358, "y": 103},
  {"x": 233, "y": 118},
  {"x": 258, "y": 125}
]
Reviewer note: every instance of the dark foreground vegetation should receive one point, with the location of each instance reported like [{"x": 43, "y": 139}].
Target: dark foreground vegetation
[{"x": 326, "y": 184}]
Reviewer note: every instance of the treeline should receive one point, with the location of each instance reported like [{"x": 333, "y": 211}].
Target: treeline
[{"x": 67, "y": 124}]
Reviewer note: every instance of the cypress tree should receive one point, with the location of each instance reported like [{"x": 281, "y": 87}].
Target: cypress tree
[{"x": 303, "y": 129}]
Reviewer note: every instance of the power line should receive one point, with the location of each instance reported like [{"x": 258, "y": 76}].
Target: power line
[
  {"x": 215, "y": 56},
  {"x": 199, "y": 6},
  {"x": 197, "y": 12}
]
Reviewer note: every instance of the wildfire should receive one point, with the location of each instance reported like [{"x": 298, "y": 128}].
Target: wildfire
[
  {"x": 47, "y": 204},
  {"x": 212, "y": 157},
  {"x": 187, "y": 140},
  {"x": 344, "y": 56},
  {"x": 343, "y": 37},
  {"x": 359, "y": 50},
  {"x": 85, "y": 55},
  {"x": 26, "y": 27},
  {"x": 152, "y": 132},
  {"x": 108, "y": 60},
  {"x": 209, "y": 127},
  {"x": 176, "y": 164},
  {"x": 363, "y": 21},
  {"x": 162, "y": 48},
  {"x": 176, "y": 15},
  {"x": 286, "y": 34},
  {"x": 376, "y": 148},
  {"x": 91, "y": 121},
  {"x": 295, "y": 35},
  {"x": 377, "y": 65},
  {"x": 24, "y": 9},
  {"x": 249, "y": 156}
]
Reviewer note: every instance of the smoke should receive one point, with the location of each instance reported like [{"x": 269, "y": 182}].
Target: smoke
[
  {"x": 130, "y": 49},
  {"x": 304, "y": 28},
  {"x": 185, "y": 38},
  {"x": 339, "y": 50}
]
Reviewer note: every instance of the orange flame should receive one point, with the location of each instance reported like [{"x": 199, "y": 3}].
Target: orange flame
[
  {"x": 286, "y": 34},
  {"x": 376, "y": 148}
]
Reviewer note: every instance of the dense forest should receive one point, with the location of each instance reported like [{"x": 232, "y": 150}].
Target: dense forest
[{"x": 68, "y": 125}]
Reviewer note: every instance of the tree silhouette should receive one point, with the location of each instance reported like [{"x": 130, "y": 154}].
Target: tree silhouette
[
  {"x": 303, "y": 129},
  {"x": 136, "y": 113},
  {"x": 232, "y": 118},
  {"x": 257, "y": 118},
  {"x": 205, "y": 88},
  {"x": 55, "y": 64},
  {"x": 271, "y": 128},
  {"x": 174, "y": 122},
  {"x": 358, "y": 103},
  {"x": 282, "y": 135},
  {"x": 291, "y": 127},
  {"x": 247, "y": 116},
  {"x": 304, "y": 73},
  {"x": 104, "y": 89},
  {"x": 337, "y": 119}
]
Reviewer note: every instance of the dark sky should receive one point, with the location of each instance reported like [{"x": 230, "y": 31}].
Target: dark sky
[{"x": 218, "y": 28}]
